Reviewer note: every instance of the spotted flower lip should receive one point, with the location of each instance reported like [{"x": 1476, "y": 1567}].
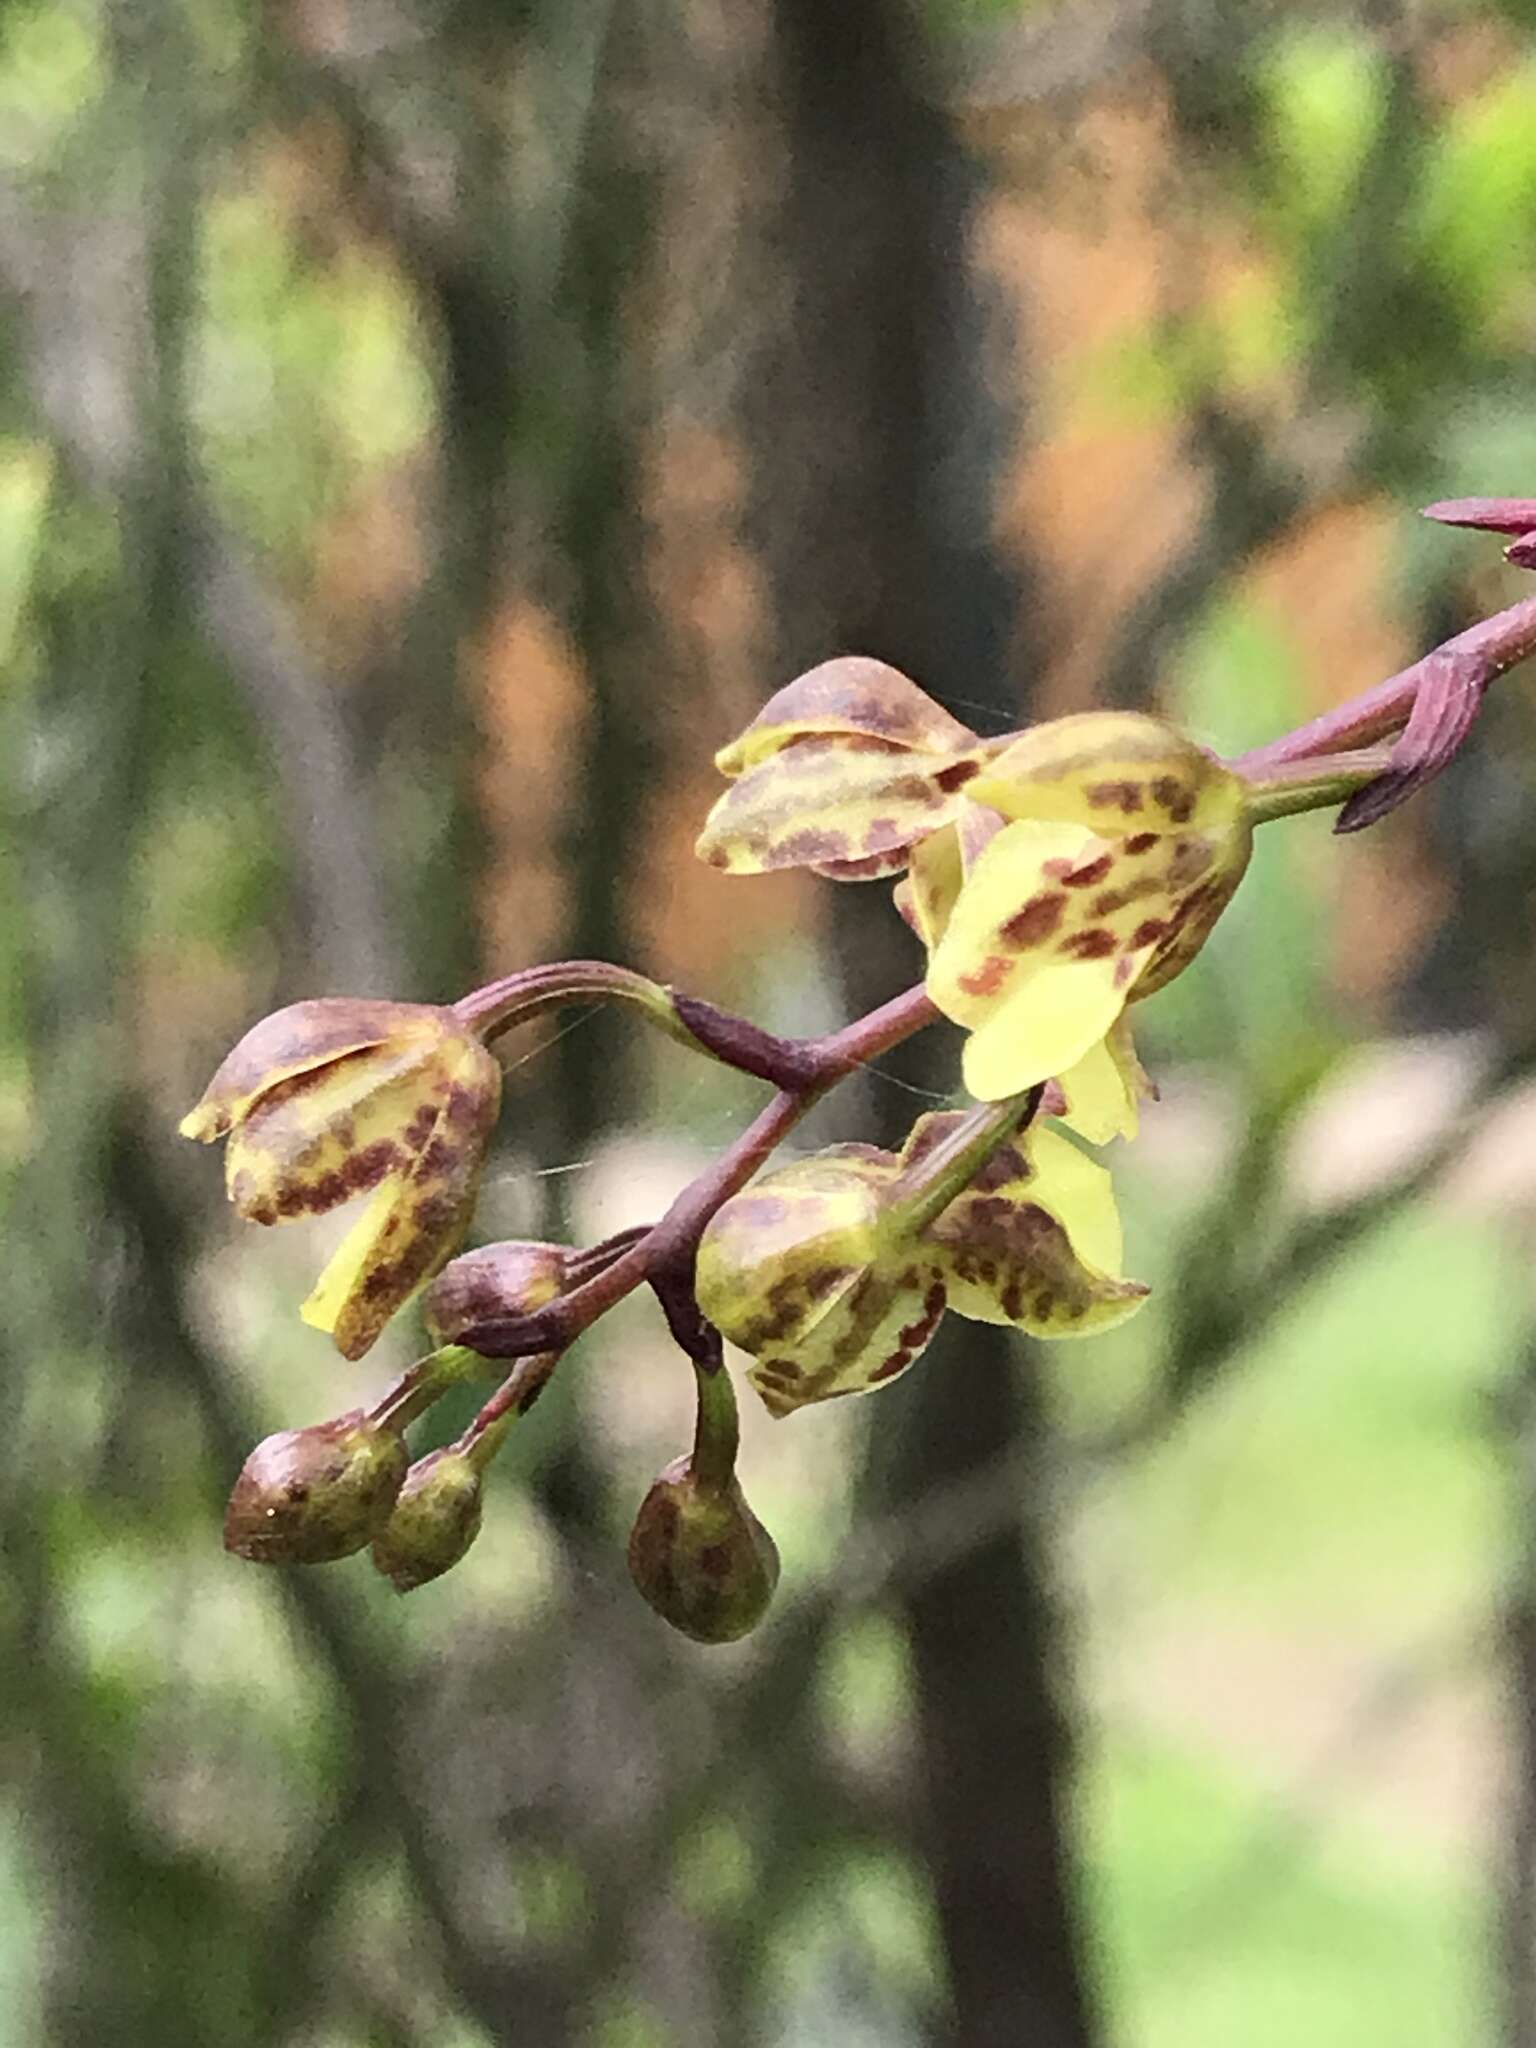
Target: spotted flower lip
[
  {"x": 807, "y": 1271},
  {"x": 842, "y": 771},
  {"x": 341, "y": 1096},
  {"x": 1121, "y": 842}
]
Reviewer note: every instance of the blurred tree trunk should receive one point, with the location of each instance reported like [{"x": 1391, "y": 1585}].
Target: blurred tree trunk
[{"x": 876, "y": 471}]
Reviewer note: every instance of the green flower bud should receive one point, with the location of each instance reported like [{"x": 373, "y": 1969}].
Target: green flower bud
[
  {"x": 701, "y": 1558},
  {"x": 436, "y": 1518},
  {"x": 306, "y": 1496}
]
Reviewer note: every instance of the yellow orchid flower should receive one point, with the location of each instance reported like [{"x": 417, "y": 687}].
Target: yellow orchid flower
[
  {"x": 1054, "y": 876},
  {"x": 335, "y": 1097},
  {"x": 1120, "y": 844},
  {"x": 813, "y": 1271},
  {"x": 1099, "y": 1097},
  {"x": 842, "y": 771}
]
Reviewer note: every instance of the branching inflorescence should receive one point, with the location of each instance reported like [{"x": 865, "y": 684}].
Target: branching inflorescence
[{"x": 1055, "y": 877}]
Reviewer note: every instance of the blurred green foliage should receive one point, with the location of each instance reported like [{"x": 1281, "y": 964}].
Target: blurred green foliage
[{"x": 327, "y": 348}]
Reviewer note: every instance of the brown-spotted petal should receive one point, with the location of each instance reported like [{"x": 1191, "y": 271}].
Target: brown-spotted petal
[
  {"x": 1217, "y": 860},
  {"x": 854, "y": 697},
  {"x": 1056, "y": 927},
  {"x": 775, "y": 1259},
  {"x": 294, "y": 1041},
  {"x": 1035, "y": 1242},
  {"x": 795, "y": 1271},
  {"x": 315, "y": 1140},
  {"x": 1035, "y": 960},
  {"x": 415, "y": 1219},
  {"x": 871, "y": 867},
  {"x": 1116, "y": 771},
  {"x": 825, "y": 803},
  {"x": 870, "y": 1336}
]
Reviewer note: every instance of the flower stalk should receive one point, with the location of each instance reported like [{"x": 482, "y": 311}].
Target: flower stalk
[
  {"x": 1056, "y": 877},
  {"x": 717, "y": 1427},
  {"x": 1292, "y": 787}
]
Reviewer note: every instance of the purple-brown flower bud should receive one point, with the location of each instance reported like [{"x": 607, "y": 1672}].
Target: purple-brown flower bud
[
  {"x": 701, "y": 1558},
  {"x": 436, "y": 1518},
  {"x": 307, "y": 1496},
  {"x": 516, "y": 1277}
]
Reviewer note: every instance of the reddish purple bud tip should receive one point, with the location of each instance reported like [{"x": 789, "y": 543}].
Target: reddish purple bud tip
[
  {"x": 515, "y": 1278},
  {"x": 1522, "y": 553},
  {"x": 1492, "y": 515}
]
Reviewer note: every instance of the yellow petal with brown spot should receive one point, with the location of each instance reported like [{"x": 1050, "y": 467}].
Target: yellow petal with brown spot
[
  {"x": 295, "y": 1040},
  {"x": 317, "y": 1139},
  {"x": 794, "y": 1270},
  {"x": 1039, "y": 952},
  {"x": 1038, "y": 1248},
  {"x": 1117, "y": 771},
  {"x": 838, "y": 802},
  {"x": 339, "y": 1278},
  {"x": 416, "y": 1219},
  {"x": 776, "y": 1258},
  {"x": 874, "y": 1333}
]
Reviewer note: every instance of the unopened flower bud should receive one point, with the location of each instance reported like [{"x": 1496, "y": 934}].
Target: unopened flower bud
[
  {"x": 306, "y": 1496},
  {"x": 701, "y": 1558},
  {"x": 436, "y": 1518},
  {"x": 517, "y": 1277}
]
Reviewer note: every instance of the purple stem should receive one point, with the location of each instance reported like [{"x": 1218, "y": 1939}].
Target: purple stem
[
  {"x": 1487, "y": 650},
  {"x": 668, "y": 1247}
]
